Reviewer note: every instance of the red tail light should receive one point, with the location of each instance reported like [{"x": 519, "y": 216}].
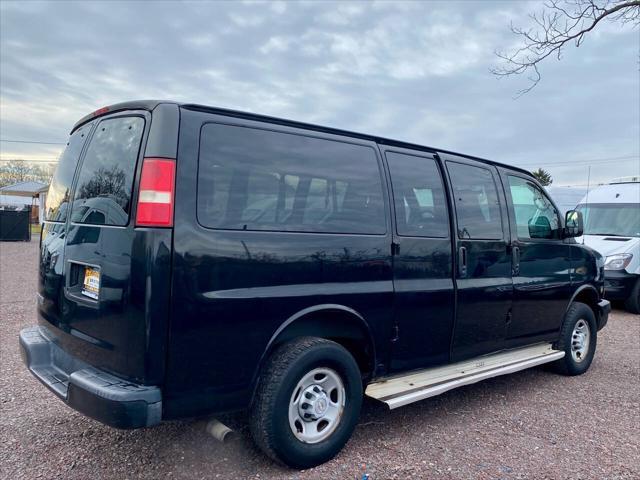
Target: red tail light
[{"x": 157, "y": 185}]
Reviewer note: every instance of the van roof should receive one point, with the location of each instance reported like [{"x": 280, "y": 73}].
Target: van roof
[
  {"x": 615, "y": 193},
  {"x": 151, "y": 104}
]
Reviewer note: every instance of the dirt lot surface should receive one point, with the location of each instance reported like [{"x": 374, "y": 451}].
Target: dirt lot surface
[{"x": 532, "y": 424}]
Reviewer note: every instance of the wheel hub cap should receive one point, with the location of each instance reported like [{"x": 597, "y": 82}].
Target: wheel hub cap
[
  {"x": 313, "y": 404},
  {"x": 317, "y": 404},
  {"x": 580, "y": 339}
]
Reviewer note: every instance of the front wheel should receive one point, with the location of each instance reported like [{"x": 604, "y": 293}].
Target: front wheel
[
  {"x": 307, "y": 403},
  {"x": 578, "y": 338}
]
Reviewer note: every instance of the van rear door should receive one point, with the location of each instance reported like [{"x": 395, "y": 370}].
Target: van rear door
[{"x": 107, "y": 296}]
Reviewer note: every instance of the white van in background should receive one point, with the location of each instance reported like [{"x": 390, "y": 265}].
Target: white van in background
[{"x": 612, "y": 227}]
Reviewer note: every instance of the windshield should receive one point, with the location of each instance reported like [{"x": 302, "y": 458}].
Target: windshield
[{"x": 619, "y": 219}]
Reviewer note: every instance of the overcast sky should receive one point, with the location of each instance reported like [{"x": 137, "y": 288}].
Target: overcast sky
[{"x": 414, "y": 71}]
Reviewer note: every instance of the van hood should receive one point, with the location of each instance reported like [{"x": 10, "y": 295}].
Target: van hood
[{"x": 608, "y": 245}]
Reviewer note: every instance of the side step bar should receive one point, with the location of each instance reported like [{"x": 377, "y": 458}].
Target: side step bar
[{"x": 418, "y": 385}]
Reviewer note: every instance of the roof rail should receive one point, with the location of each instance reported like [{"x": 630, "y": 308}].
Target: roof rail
[{"x": 627, "y": 179}]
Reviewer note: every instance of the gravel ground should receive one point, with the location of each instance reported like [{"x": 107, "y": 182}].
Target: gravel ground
[{"x": 532, "y": 424}]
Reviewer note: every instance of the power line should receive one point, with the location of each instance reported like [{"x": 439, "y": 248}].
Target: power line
[
  {"x": 29, "y": 141},
  {"x": 586, "y": 164},
  {"x": 582, "y": 162},
  {"x": 55, "y": 160}
]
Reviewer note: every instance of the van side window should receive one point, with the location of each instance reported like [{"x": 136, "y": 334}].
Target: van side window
[
  {"x": 106, "y": 176},
  {"x": 418, "y": 195},
  {"x": 253, "y": 179},
  {"x": 476, "y": 200},
  {"x": 535, "y": 215}
]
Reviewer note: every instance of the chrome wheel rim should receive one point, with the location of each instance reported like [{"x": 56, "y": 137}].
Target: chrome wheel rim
[
  {"x": 316, "y": 405},
  {"x": 580, "y": 339}
]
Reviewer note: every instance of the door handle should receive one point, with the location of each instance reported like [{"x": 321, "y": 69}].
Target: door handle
[
  {"x": 462, "y": 261},
  {"x": 515, "y": 254}
]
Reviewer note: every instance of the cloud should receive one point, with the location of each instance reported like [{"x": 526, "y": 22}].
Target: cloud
[
  {"x": 416, "y": 71},
  {"x": 342, "y": 14},
  {"x": 276, "y": 44},
  {"x": 245, "y": 20},
  {"x": 200, "y": 40}
]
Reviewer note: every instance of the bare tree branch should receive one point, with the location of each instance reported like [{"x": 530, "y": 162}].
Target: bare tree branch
[{"x": 560, "y": 23}]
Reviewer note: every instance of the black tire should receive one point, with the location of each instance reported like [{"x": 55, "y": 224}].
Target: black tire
[
  {"x": 633, "y": 302},
  {"x": 269, "y": 420},
  {"x": 568, "y": 365}
]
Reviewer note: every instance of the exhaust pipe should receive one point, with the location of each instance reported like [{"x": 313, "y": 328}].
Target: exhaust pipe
[{"x": 219, "y": 430}]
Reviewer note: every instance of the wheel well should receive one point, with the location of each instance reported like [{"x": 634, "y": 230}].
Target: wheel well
[
  {"x": 588, "y": 296},
  {"x": 339, "y": 326}
]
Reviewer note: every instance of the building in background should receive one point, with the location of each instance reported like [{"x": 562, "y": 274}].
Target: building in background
[{"x": 23, "y": 195}]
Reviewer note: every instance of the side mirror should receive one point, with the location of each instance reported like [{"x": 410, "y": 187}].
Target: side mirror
[
  {"x": 541, "y": 228},
  {"x": 573, "y": 224}
]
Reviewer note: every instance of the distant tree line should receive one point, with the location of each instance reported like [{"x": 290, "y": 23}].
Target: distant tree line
[
  {"x": 15, "y": 171},
  {"x": 103, "y": 182}
]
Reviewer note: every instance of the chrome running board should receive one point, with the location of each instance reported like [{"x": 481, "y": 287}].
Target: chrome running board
[{"x": 408, "y": 388}]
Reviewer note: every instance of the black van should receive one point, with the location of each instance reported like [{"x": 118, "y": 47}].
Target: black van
[{"x": 197, "y": 260}]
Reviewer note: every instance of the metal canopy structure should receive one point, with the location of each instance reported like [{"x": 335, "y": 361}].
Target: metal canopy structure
[
  {"x": 25, "y": 189},
  {"x": 9, "y": 195}
]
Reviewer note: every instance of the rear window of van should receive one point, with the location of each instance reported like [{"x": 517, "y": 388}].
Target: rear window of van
[
  {"x": 104, "y": 188},
  {"x": 253, "y": 179},
  {"x": 57, "y": 203}
]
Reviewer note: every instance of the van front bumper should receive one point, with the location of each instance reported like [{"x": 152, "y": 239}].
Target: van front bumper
[
  {"x": 618, "y": 284},
  {"x": 89, "y": 390}
]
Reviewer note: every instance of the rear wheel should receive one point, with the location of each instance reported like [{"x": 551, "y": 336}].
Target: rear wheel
[
  {"x": 307, "y": 403},
  {"x": 578, "y": 338},
  {"x": 633, "y": 302}
]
